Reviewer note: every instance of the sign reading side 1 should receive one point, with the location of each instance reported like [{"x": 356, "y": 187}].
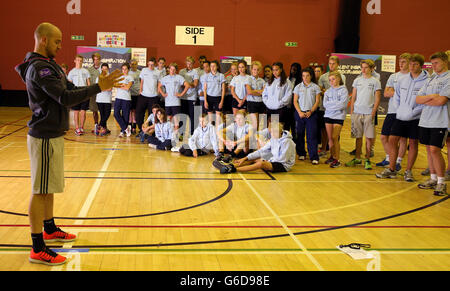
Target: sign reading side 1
[{"x": 194, "y": 35}]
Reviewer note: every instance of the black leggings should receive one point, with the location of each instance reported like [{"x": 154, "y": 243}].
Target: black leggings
[
  {"x": 186, "y": 151},
  {"x": 105, "y": 112}
]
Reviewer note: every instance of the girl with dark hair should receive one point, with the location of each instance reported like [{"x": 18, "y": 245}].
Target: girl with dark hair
[
  {"x": 306, "y": 103},
  {"x": 278, "y": 93},
  {"x": 164, "y": 133}
]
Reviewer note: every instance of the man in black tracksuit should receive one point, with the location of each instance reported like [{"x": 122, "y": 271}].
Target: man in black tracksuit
[{"x": 50, "y": 98}]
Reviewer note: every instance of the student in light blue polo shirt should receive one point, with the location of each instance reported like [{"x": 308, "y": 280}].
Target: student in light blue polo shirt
[
  {"x": 214, "y": 88},
  {"x": 122, "y": 103},
  {"x": 238, "y": 87},
  {"x": 173, "y": 84},
  {"x": 255, "y": 104},
  {"x": 202, "y": 75},
  {"x": 189, "y": 99},
  {"x": 306, "y": 103},
  {"x": 365, "y": 100},
  {"x": 148, "y": 92},
  {"x": 434, "y": 121}
]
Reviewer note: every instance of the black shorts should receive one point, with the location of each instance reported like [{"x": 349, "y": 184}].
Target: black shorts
[
  {"x": 333, "y": 121},
  {"x": 213, "y": 103},
  {"x": 234, "y": 104},
  {"x": 407, "y": 129},
  {"x": 134, "y": 102},
  {"x": 228, "y": 103},
  {"x": 82, "y": 106},
  {"x": 173, "y": 110},
  {"x": 277, "y": 167},
  {"x": 433, "y": 136},
  {"x": 387, "y": 124},
  {"x": 320, "y": 119},
  {"x": 256, "y": 107}
]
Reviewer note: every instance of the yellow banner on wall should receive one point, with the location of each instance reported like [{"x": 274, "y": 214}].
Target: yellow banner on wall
[{"x": 194, "y": 35}]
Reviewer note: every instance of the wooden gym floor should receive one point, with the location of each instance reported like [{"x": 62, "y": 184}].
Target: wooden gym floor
[{"x": 135, "y": 208}]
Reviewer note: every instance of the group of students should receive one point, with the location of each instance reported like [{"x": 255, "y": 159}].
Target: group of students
[{"x": 265, "y": 122}]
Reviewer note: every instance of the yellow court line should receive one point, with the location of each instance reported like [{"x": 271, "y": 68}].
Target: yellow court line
[{"x": 305, "y": 213}]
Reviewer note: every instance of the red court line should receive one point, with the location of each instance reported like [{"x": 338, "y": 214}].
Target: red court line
[{"x": 236, "y": 226}]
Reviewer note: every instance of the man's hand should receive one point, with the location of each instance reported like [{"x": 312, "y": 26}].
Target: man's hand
[{"x": 110, "y": 81}]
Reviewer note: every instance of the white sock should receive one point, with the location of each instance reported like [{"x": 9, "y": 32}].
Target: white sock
[
  {"x": 441, "y": 180},
  {"x": 433, "y": 177},
  {"x": 387, "y": 158},
  {"x": 399, "y": 160}
]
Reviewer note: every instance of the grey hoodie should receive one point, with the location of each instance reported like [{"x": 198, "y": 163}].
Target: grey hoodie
[
  {"x": 50, "y": 95},
  {"x": 282, "y": 150}
]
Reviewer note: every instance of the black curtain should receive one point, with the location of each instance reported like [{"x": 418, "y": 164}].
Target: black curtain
[{"x": 347, "y": 40}]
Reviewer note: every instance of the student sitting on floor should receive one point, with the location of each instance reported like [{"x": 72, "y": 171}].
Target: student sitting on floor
[
  {"x": 164, "y": 133},
  {"x": 202, "y": 141},
  {"x": 280, "y": 146},
  {"x": 148, "y": 127},
  {"x": 235, "y": 138}
]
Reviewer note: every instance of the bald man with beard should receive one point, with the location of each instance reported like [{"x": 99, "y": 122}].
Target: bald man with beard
[{"x": 50, "y": 98}]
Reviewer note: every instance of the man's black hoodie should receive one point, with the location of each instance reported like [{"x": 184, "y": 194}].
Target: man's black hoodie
[{"x": 50, "y": 95}]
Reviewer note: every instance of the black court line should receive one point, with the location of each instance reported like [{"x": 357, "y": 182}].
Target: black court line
[
  {"x": 249, "y": 238},
  {"x": 17, "y": 130},
  {"x": 230, "y": 186}
]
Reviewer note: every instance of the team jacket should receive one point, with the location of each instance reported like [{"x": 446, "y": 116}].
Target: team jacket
[{"x": 50, "y": 95}]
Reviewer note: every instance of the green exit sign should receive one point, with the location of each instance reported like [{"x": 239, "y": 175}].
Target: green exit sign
[
  {"x": 77, "y": 37},
  {"x": 291, "y": 44}
]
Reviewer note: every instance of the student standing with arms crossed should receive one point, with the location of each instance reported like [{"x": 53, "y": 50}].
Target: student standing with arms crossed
[
  {"x": 50, "y": 96},
  {"x": 389, "y": 92},
  {"x": 434, "y": 122},
  {"x": 406, "y": 123}
]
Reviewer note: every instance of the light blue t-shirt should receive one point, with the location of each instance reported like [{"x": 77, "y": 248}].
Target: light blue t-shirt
[
  {"x": 365, "y": 94},
  {"x": 391, "y": 83},
  {"x": 79, "y": 77},
  {"x": 150, "y": 80},
  {"x": 190, "y": 77},
  {"x": 436, "y": 116},
  {"x": 173, "y": 85},
  {"x": 124, "y": 94},
  {"x": 214, "y": 84},
  {"x": 239, "y": 83},
  {"x": 306, "y": 95}
]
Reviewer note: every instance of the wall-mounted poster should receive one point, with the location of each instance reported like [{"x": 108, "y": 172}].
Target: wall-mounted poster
[
  {"x": 384, "y": 66},
  {"x": 225, "y": 63},
  {"x": 111, "y": 39}
]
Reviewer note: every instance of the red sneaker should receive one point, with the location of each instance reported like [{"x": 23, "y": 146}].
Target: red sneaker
[
  {"x": 46, "y": 257},
  {"x": 59, "y": 235}
]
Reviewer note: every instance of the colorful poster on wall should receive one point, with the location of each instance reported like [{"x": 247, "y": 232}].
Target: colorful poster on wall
[
  {"x": 139, "y": 54},
  {"x": 111, "y": 39},
  {"x": 225, "y": 63},
  {"x": 384, "y": 66},
  {"x": 114, "y": 57}
]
